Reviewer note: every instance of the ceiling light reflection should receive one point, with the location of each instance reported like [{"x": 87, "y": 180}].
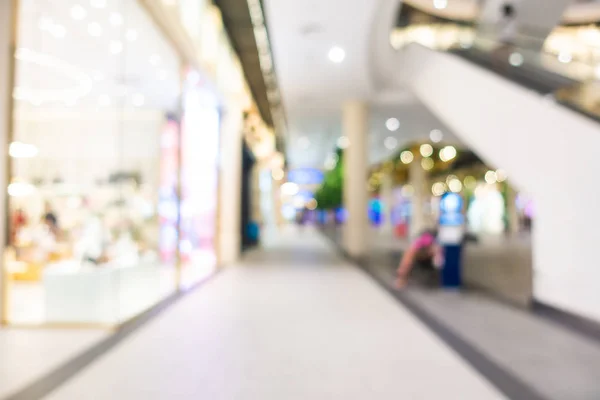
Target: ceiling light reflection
[
  {"x": 95, "y": 29},
  {"x": 393, "y": 124},
  {"x": 78, "y": 13},
  {"x": 22, "y": 150},
  {"x": 131, "y": 35},
  {"x": 436, "y": 136},
  {"x": 426, "y": 150},
  {"x": 116, "y": 19},
  {"x": 407, "y": 157},
  {"x": 440, "y": 4},
  {"x": 390, "y": 142},
  {"x": 36, "y": 96},
  {"x": 337, "y": 54},
  {"x": 427, "y": 164}
]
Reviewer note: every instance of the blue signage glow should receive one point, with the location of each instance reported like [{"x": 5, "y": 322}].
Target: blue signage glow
[
  {"x": 306, "y": 176},
  {"x": 451, "y": 206}
]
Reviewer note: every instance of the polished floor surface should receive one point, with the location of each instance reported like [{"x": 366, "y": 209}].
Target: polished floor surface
[
  {"x": 27, "y": 355},
  {"x": 532, "y": 356},
  {"x": 292, "y": 321}
]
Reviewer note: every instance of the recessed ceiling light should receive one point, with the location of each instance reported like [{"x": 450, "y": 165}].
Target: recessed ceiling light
[
  {"x": 138, "y": 100},
  {"x": 390, "y": 142},
  {"x": 131, "y": 35},
  {"x": 116, "y": 47},
  {"x": 440, "y": 4},
  {"x": 98, "y": 3},
  {"x": 436, "y": 136},
  {"x": 78, "y": 13},
  {"x": 392, "y": 124},
  {"x": 337, "y": 54},
  {"x": 95, "y": 29},
  {"x": 116, "y": 19}
]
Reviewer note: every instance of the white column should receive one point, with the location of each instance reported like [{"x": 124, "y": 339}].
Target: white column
[
  {"x": 230, "y": 186},
  {"x": 387, "y": 198},
  {"x": 355, "y": 127},
  {"x": 7, "y": 41},
  {"x": 257, "y": 214},
  {"x": 277, "y": 204},
  {"x": 511, "y": 210},
  {"x": 418, "y": 180}
]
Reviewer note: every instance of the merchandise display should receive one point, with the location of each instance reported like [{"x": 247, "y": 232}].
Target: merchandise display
[
  {"x": 114, "y": 159},
  {"x": 86, "y": 194}
]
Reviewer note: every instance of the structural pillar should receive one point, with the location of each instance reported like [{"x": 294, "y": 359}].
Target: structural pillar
[
  {"x": 418, "y": 181},
  {"x": 257, "y": 214},
  {"x": 511, "y": 210},
  {"x": 230, "y": 187},
  {"x": 8, "y": 16},
  {"x": 355, "y": 124}
]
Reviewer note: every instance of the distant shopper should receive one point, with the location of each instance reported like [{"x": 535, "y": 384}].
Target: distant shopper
[
  {"x": 51, "y": 219},
  {"x": 424, "y": 250},
  {"x": 507, "y": 31},
  {"x": 508, "y": 25}
]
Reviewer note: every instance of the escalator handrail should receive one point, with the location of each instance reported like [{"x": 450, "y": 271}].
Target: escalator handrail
[{"x": 529, "y": 75}]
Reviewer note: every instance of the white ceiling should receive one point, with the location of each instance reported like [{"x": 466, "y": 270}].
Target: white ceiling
[
  {"x": 314, "y": 88},
  {"x": 62, "y": 64}
]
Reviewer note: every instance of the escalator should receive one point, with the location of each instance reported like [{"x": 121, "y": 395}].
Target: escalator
[
  {"x": 540, "y": 126},
  {"x": 540, "y": 73}
]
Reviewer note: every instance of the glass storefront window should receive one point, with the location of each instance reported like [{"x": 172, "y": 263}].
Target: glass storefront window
[
  {"x": 94, "y": 154},
  {"x": 199, "y": 180}
]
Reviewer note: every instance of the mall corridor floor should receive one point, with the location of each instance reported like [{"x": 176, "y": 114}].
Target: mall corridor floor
[{"x": 292, "y": 321}]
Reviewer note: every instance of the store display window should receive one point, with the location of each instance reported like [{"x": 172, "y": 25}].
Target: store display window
[
  {"x": 199, "y": 180},
  {"x": 93, "y": 197}
]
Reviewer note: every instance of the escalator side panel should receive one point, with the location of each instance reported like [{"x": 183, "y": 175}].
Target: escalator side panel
[{"x": 548, "y": 151}]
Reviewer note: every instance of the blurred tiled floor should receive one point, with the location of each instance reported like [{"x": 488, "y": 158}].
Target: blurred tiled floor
[
  {"x": 556, "y": 362},
  {"x": 291, "y": 322},
  {"x": 28, "y": 354}
]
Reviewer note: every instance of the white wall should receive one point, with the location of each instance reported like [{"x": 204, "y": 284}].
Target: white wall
[
  {"x": 230, "y": 186},
  {"x": 547, "y": 150}
]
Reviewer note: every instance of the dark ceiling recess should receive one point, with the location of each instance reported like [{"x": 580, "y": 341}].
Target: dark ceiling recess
[{"x": 236, "y": 18}]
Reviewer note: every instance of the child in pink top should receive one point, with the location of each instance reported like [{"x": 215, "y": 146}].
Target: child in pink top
[{"x": 423, "y": 249}]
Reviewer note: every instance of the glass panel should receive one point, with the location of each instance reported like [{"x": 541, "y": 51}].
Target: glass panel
[
  {"x": 199, "y": 179},
  {"x": 565, "y": 68},
  {"x": 95, "y": 88}
]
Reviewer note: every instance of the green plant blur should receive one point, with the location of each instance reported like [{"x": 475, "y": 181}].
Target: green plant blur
[{"x": 330, "y": 195}]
